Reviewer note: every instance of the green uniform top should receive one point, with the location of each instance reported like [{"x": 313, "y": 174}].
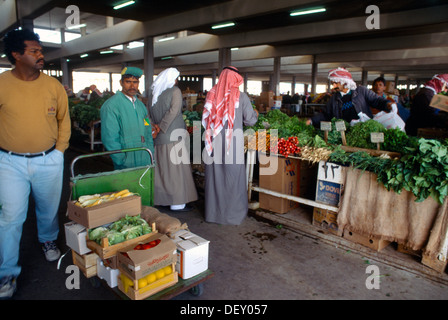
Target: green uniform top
[{"x": 125, "y": 124}]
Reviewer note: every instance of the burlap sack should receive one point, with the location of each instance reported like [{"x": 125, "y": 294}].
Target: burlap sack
[
  {"x": 368, "y": 208},
  {"x": 164, "y": 223}
]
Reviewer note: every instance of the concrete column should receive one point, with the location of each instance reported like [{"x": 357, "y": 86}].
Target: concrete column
[
  {"x": 214, "y": 72},
  {"x": 276, "y": 76},
  {"x": 109, "y": 22},
  {"x": 293, "y": 86},
  {"x": 225, "y": 58},
  {"x": 313, "y": 75},
  {"x": 148, "y": 64},
  {"x": 364, "y": 77},
  {"x": 245, "y": 82}
]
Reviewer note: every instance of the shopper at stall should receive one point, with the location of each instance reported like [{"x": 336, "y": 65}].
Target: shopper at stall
[
  {"x": 423, "y": 115},
  {"x": 125, "y": 123},
  {"x": 379, "y": 87},
  {"x": 349, "y": 99},
  {"x": 173, "y": 179},
  {"x": 34, "y": 133},
  {"x": 226, "y": 110}
]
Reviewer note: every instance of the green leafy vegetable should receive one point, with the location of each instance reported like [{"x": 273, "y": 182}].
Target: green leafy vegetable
[{"x": 126, "y": 228}]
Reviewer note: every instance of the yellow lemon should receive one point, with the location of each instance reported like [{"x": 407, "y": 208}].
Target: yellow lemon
[
  {"x": 160, "y": 274},
  {"x": 151, "y": 277},
  {"x": 167, "y": 270},
  {"x": 142, "y": 282}
]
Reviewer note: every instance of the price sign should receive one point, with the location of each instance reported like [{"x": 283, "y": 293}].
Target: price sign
[
  {"x": 340, "y": 126},
  {"x": 377, "y": 137},
  {"x": 325, "y": 125}
]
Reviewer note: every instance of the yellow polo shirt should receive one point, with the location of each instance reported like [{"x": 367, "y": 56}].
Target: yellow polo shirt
[{"x": 34, "y": 115}]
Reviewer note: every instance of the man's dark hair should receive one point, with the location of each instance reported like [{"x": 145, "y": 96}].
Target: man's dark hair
[
  {"x": 14, "y": 41},
  {"x": 379, "y": 79}
]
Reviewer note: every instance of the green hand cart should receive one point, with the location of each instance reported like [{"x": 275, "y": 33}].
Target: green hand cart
[{"x": 138, "y": 180}]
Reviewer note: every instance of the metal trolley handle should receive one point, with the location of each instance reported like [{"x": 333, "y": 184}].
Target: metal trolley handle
[{"x": 105, "y": 153}]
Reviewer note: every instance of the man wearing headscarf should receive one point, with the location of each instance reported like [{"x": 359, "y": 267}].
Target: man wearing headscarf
[
  {"x": 226, "y": 110},
  {"x": 173, "y": 180},
  {"x": 125, "y": 123},
  {"x": 422, "y": 115},
  {"x": 349, "y": 99}
]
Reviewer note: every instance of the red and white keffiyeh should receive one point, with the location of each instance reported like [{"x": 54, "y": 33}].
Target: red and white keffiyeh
[
  {"x": 438, "y": 82},
  {"x": 341, "y": 75},
  {"x": 220, "y": 106}
]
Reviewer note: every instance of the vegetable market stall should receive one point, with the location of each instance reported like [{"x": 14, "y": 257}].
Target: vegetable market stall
[{"x": 411, "y": 190}]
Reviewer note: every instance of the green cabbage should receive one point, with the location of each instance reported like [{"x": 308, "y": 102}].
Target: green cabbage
[{"x": 121, "y": 230}]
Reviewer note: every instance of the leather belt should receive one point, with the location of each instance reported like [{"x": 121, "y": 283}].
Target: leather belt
[{"x": 29, "y": 155}]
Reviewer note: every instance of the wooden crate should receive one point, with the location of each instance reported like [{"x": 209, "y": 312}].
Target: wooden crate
[
  {"x": 375, "y": 244},
  {"x": 434, "y": 263},
  {"x": 326, "y": 220},
  {"x": 136, "y": 293},
  {"x": 105, "y": 251},
  {"x": 86, "y": 263}
]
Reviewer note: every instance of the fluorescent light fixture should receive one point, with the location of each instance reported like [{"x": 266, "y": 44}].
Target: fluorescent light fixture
[
  {"x": 166, "y": 58},
  {"x": 106, "y": 52},
  {"x": 117, "y": 47},
  {"x": 124, "y": 4},
  {"x": 307, "y": 11},
  {"x": 84, "y": 55},
  {"x": 234, "y": 49},
  {"x": 223, "y": 25},
  {"x": 166, "y": 39},
  {"x": 78, "y": 26},
  {"x": 135, "y": 44}
]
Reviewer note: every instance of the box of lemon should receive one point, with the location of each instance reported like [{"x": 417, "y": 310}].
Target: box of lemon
[{"x": 144, "y": 287}]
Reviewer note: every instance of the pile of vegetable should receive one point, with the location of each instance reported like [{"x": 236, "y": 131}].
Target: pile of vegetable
[
  {"x": 422, "y": 168},
  {"x": 88, "y": 201},
  {"x": 121, "y": 230}
]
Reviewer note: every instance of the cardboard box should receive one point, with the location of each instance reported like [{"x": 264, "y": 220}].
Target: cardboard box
[
  {"x": 329, "y": 183},
  {"x": 136, "y": 293},
  {"x": 284, "y": 180},
  {"x": 326, "y": 220},
  {"x": 106, "y": 212},
  {"x": 75, "y": 237},
  {"x": 390, "y": 87},
  {"x": 139, "y": 263},
  {"x": 192, "y": 254},
  {"x": 439, "y": 101},
  {"x": 375, "y": 244},
  {"x": 86, "y": 263}
]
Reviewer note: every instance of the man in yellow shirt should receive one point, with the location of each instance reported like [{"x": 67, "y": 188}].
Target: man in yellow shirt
[{"x": 34, "y": 133}]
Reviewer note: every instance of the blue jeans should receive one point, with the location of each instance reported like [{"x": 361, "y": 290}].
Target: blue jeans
[{"x": 42, "y": 176}]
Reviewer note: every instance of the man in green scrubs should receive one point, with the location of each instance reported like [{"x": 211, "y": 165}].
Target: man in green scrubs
[{"x": 125, "y": 123}]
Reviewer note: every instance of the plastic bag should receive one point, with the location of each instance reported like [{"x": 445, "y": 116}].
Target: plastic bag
[
  {"x": 362, "y": 118},
  {"x": 390, "y": 120}
]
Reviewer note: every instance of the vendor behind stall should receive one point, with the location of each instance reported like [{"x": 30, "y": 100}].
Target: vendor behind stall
[
  {"x": 349, "y": 100},
  {"x": 422, "y": 115}
]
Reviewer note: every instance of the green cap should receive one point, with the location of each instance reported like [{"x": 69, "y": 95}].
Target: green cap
[{"x": 133, "y": 71}]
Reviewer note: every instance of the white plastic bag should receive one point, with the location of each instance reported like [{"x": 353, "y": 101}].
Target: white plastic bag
[
  {"x": 362, "y": 118},
  {"x": 390, "y": 120}
]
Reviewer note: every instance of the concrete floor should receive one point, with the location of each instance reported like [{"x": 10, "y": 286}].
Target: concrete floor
[{"x": 253, "y": 261}]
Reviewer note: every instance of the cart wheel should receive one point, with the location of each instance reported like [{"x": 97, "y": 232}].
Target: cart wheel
[
  {"x": 197, "y": 290},
  {"x": 95, "y": 282}
]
